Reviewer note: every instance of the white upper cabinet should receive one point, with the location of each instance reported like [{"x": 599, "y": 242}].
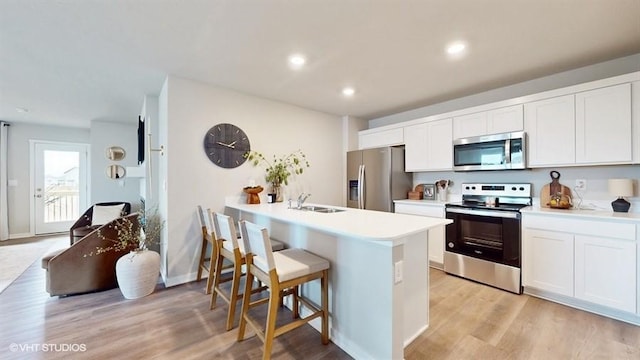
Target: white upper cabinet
[
  {"x": 550, "y": 126},
  {"x": 501, "y": 120},
  {"x": 377, "y": 138},
  {"x": 429, "y": 146},
  {"x": 470, "y": 125},
  {"x": 415, "y": 147},
  {"x": 507, "y": 119},
  {"x": 603, "y": 125}
]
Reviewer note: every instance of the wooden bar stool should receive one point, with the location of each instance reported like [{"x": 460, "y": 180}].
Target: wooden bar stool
[
  {"x": 228, "y": 247},
  {"x": 279, "y": 271},
  {"x": 206, "y": 263}
]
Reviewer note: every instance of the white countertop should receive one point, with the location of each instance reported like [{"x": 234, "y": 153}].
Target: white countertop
[
  {"x": 365, "y": 224},
  {"x": 584, "y": 214}
]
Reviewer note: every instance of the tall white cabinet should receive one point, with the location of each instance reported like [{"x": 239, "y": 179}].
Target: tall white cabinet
[
  {"x": 603, "y": 125},
  {"x": 550, "y": 126},
  {"x": 429, "y": 146}
]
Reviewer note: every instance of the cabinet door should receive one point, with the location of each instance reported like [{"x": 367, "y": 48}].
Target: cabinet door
[
  {"x": 367, "y": 140},
  {"x": 550, "y": 125},
  {"x": 507, "y": 119},
  {"x": 548, "y": 261},
  {"x": 440, "y": 144},
  {"x": 603, "y": 125},
  {"x": 605, "y": 272},
  {"x": 416, "y": 147},
  {"x": 470, "y": 125}
]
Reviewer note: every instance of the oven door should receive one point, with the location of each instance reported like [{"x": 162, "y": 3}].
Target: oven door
[{"x": 491, "y": 235}]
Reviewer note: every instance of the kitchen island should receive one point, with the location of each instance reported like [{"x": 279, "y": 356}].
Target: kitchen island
[{"x": 379, "y": 279}]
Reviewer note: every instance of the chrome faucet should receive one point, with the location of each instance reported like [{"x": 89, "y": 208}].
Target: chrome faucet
[{"x": 302, "y": 198}]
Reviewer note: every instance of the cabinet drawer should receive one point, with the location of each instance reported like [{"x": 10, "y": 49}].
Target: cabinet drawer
[
  {"x": 590, "y": 227},
  {"x": 423, "y": 210}
]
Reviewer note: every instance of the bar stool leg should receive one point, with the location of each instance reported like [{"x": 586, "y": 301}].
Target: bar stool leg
[
  {"x": 216, "y": 280},
  {"x": 203, "y": 253},
  {"x": 270, "y": 329},
  {"x": 324, "y": 282},
  {"x": 296, "y": 302},
  {"x": 246, "y": 300},
  {"x": 235, "y": 286},
  {"x": 212, "y": 264}
]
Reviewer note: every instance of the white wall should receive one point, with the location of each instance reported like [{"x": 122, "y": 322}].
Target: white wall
[
  {"x": 103, "y": 135},
  {"x": 598, "y": 71},
  {"x": 188, "y": 109},
  {"x": 19, "y": 198}
]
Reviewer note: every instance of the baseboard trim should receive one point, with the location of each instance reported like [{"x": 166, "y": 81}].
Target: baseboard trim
[
  {"x": 584, "y": 305},
  {"x": 20, "y": 236}
]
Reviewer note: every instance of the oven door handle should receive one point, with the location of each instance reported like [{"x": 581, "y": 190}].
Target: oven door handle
[{"x": 480, "y": 212}]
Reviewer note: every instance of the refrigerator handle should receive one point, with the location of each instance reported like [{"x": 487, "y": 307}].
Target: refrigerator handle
[
  {"x": 363, "y": 189},
  {"x": 359, "y": 186}
]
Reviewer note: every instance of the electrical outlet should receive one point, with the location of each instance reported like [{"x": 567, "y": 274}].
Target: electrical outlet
[
  {"x": 397, "y": 272},
  {"x": 581, "y": 184}
]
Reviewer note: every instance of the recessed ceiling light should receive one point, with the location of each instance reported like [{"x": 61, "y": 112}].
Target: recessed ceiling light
[
  {"x": 348, "y": 91},
  {"x": 456, "y": 48},
  {"x": 297, "y": 61},
  {"x": 22, "y": 110}
]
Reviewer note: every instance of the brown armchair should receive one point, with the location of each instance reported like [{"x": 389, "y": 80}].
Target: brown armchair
[
  {"x": 83, "y": 226},
  {"x": 69, "y": 271}
]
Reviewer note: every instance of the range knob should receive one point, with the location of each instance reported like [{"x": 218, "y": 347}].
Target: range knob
[
  {"x": 513, "y": 188},
  {"x": 521, "y": 188}
]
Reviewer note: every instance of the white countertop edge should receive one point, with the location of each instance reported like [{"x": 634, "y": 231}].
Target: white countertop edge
[
  {"x": 434, "y": 203},
  {"x": 354, "y": 223},
  {"x": 586, "y": 214}
]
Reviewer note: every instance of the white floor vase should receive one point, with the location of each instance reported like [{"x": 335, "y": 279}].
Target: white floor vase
[{"x": 137, "y": 273}]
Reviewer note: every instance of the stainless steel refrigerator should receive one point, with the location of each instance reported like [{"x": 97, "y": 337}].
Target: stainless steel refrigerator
[{"x": 376, "y": 177}]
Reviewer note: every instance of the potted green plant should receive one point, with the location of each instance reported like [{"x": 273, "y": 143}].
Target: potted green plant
[
  {"x": 279, "y": 169},
  {"x": 136, "y": 272}
]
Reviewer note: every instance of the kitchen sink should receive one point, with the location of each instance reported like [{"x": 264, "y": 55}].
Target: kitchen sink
[{"x": 319, "y": 209}]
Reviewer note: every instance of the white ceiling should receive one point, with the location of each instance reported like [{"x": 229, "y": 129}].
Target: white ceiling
[{"x": 71, "y": 62}]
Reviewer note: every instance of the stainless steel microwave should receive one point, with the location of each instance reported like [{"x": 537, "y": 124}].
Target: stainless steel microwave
[{"x": 505, "y": 151}]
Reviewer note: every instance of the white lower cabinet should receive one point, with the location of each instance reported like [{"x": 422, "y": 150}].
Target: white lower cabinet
[
  {"x": 548, "y": 257},
  {"x": 592, "y": 261},
  {"x": 604, "y": 268},
  {"x": 436, "y": 236}
]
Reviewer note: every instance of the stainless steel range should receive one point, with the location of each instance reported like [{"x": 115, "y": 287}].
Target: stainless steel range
[{"x": 484, "y": 243}]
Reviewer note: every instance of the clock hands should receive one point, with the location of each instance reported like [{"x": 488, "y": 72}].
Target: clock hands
[{"x": 230, "y": 146}]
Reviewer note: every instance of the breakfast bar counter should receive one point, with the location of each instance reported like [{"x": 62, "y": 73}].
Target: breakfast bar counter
[{"x": 379, "y": 279}]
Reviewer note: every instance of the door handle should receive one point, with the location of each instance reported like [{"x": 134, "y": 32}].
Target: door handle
[{"x": 38, "y": 196}]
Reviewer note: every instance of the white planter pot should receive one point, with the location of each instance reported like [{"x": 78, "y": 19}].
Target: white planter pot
[{"x": 137, "y": 273}]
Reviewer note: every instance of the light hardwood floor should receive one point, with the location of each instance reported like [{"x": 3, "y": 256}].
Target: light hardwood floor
[{"x": 468, "y": 321}]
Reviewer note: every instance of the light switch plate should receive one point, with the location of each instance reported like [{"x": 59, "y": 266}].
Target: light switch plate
[{"x": 397, "y": 272}]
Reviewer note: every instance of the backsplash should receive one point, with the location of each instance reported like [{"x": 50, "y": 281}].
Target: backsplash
[{"x": 595, "y": 197}]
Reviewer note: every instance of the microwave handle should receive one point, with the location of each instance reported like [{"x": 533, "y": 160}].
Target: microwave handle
[{"x": 507, "y": 151}]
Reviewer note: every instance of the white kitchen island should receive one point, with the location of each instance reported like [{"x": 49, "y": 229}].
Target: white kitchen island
[{"x": 379, "y": 276}]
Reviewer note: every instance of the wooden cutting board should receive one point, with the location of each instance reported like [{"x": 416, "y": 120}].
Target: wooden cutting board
[{"x": 553, "y": 188}]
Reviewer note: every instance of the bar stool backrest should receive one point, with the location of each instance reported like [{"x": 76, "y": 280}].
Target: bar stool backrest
[
  {"x": 204, "y": 223},
  {"x": 226, "y": 230},
  {"x": 257, "y": 241}
]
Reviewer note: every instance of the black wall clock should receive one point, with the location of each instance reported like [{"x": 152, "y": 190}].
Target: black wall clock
[{"x": 226, "y": 145}]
